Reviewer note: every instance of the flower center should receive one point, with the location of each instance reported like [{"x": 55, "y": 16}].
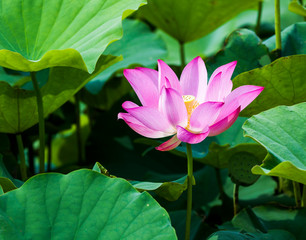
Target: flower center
[{"x": 191, "y": 104}]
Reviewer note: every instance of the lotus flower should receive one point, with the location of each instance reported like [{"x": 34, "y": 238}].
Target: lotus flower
[{"x": 189, "y": 109}]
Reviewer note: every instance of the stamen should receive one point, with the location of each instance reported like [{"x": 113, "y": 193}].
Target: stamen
[
  {"x": 189, "y": 100},
  {"x": 191, "y": 104}
]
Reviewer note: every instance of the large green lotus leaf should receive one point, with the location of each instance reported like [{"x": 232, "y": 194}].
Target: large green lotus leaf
[
  {"x": 137, "y": 46},
  {"x": 293, "y": 40},
  {"x": 18, "y": 107},
  {"x": 81, "y": 205},
  {"x": 207, "y": 45},
  {"x": 281, "y": 131},
  {"x": 242, "y": 46},
  {"x": 284, "y": 82},
  {"x": 213, "y": 42},
  {"x": 187, "y": 21},
  {"x": 38, "y": 34},
  {"x": 292, "y": 221}
]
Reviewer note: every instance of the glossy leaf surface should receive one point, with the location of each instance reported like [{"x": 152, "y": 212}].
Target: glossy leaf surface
[
  {"x": 37, "y": 34},
  {"x": 280, "y": 130},
  {"x": 284, "y": 82},
  {"x": 82, "y": 204}
]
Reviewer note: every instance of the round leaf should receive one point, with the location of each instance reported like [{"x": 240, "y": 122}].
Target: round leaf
[
  {"x": 18, "y": 107},
  {"x": 38, "y": 34},
  {"x": 187, "y": 21},
  {"x": 281, "y": 131},
  {"x": 284, "y": 82},
  {"x": 81, "y": 205}
]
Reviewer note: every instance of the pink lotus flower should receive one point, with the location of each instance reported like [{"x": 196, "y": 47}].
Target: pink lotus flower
[{"x": 189, "y": 109}]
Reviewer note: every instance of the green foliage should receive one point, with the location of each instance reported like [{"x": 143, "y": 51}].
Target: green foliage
[
  {"x": 82, "y": 204},
  {"x": 283, "y": 80},
  {"x": 18, "y": 106},
  {"x": 6, "y": 177},
  {"x": 40, "y": 34},
  {"x": 6, "y": 184},
  {"x": 187, "y": 21},
  {"x": 260, "y": 192},
  {"x": 272, "y": 219},
  {"x": 241, "y": 161},
  {"x": 293, "y": 40},
  {"x": 244, "y": 47},
  {"x": 171, "y": 191},
  {"x": 296, "y": 7},
  {"x": 138, "y": 46},
  {"x": 71, "y": 44},
  {"x": 63, "y": 144},
  {"x": 280, "y": 130}
]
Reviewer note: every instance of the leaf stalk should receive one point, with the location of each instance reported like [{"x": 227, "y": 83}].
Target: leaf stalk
[
  {"x": 41, "y": 123},
  {"x": 189, "y": 190}
]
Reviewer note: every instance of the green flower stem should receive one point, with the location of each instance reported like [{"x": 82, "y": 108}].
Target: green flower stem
[
  {"x": 257, "y": 28},
  {"x": 278, "y": 40},
  {"x": 49, "y": 156},
  {"x": 41, "y": 123},
  {"x": 297, "y": 194},
  {"x": 182, "y": 55},
  {"x": 189, "y": 190},
  {"x": 23, "y": 167},
  {"x": 78, "y": 129},
  {"x": 236, "y": 198},
  {"x": 304, "y": 196}
]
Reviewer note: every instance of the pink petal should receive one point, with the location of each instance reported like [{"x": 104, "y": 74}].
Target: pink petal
[
  {"x": 169, "y": 145},
  {"x": 244, "y": 94},
  {"x": 151, "y": 118},
  {"x": 164, "y": 71},
  {"x": 205, "y": 115},
  {"x": 140, "y": 128},
  {"x": 144, "y": 84},
  {"x": 128, "y": 104},
  {"x": 220, "y": 84},
  {"x": 241, "y": 96},
  {"x": 189, "y": 137},
  {"x": 171, "y": 104},
  {"x": 151, "y": 73},
  {"x": 194, "y": 79},
  {"x": 224, "y": 124}
]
